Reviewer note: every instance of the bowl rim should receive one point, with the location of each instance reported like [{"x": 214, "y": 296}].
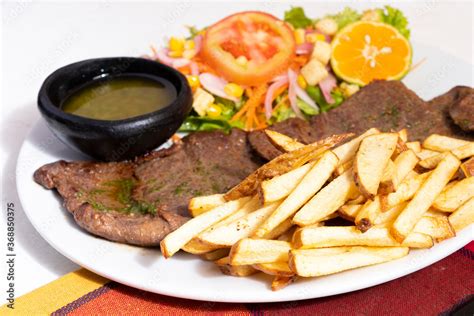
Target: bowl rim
[{"x": 45, "y": 103}]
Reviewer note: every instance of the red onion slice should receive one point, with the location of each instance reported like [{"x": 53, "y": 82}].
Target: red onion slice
[
  {"x": 270, "y": 92},
  {"x": 326, "y": 85},
  {"x": 215, "y": 85},
  {"x": 292, "y": 92},
  {"x": 303, "y": 95},
  {"x": 303, "y": 49}
]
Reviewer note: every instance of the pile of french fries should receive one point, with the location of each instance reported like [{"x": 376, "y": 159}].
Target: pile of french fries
[{"x": 395, "y": 194}]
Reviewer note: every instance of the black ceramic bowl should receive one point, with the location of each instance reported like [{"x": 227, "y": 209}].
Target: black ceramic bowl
[{"x": 112, "y": 140}]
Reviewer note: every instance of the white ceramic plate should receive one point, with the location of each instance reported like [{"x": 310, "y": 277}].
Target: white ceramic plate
[{"x": 189, "y": 277}]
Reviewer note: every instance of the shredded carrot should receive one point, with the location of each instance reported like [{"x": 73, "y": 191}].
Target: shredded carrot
[{"x": 251, "y": 106}]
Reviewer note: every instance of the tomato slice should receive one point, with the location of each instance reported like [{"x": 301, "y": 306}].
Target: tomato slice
[{"x": 265, "y": 41}]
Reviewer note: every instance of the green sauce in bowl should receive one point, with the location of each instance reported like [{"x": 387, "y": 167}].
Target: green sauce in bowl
[{"x": 119, "y": 98}]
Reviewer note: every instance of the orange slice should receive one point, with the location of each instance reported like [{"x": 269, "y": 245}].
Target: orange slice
[{"x": 364, "y": 51}]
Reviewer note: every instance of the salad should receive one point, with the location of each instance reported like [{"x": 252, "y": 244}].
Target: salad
[{"x": 251, "y": 69}]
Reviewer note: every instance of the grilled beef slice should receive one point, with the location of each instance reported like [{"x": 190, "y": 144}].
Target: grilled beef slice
[
  {"x": 387, "y": 105},
  {"x": 141, "y": 202}
]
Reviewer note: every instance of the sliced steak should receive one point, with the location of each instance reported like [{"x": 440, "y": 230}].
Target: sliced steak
[
  {"x": 141, "y": 202},
  {"x": 462, "y": 112},
  {"x": 387, "y": 105},
  {"x": 293, "y": 127},
  {"x": 458, "y": 102},
  {"x": 206, "y": 163}
]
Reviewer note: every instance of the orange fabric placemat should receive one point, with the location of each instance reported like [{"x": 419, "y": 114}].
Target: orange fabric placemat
[{"x": 441, "y": 288}]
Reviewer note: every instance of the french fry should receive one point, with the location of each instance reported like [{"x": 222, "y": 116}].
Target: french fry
[
  {"x": 280, "y": 282},
  {"x": 275, "y": 268},
  {"x": 435, "y": 213},
  {"x": 282, "y": 164},
  {"x": 371, "y": 159},
  {"x": 229, "y": 234},
  {"x": 309, "y": 185},
  {"x": 281, "y": 186},
  {"x": 386, "y": 182},
  {"x": 181, "y": 236},
  {"x": 438, "y": 228},
  {"x": 425, "y": 196},
  {"x": 462, "y": 152},
  {"x": 288, "y": 235},
  {"x": 404, "y": 164},
  {"x": 399, "y": 148},
  {"x": 415, "y": 146},
  {"x": 334, "y": 236},
  {"x": 467, "y": 167},
  {"x": 403, "y": 135},
  {"x": 327, "y": 201},
  {"x": 368, "y": 214},
  {"x": 216, "y": 254},
  {"x": 426, "y": 153},
  {"x": 251, "y": 251},
  {"x": 249, "y": 207},
  {"x": 283, "y": 142},
  {"x": 319, "y": 251},
  {"x": 360, "y": 199},
  {"x": 387, "y": 217},
  {"x": 452, "y": 198},
  {"x": 355, "y": 257},
  {"x": 197, "y": 247},
  {"x": 406, "y": 190},
  {"x": 235, "y": 270},
  {"x": 201, "y": 204},
  {"x": 350, "y": 211},
  {"x": 442, "y": 143},
  {"x": 341, "y": 168},
  {"x": 281, "y": 229},
  {"x": 348, "y": 150},
  {"x": 463, "y": 216}
]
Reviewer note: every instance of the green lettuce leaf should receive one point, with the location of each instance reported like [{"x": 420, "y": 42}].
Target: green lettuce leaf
[
  {"x": 306, "y": 108},
  {"x": 345, "y": 17},
  {"x": 197, "y": 123},
  {"x": 282, "y": 113},
  {"x": 316, "y": 94},
  {"x": 397, "y": 19},
  {"x": 296, "y": 17}
]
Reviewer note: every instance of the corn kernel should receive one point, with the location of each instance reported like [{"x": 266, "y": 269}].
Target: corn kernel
[
  {"x": 242, "y": 60},
  {"x": 321, "y": 37},
  {"x": 214, "y": 111},
  {"x": 176, "y": 44},
  {"x": 233, "y": 90},
  {"x": 193, "y": 81},
  {"x": 301, "y": 82},
  {"x": 189, "y": 44},
  {"x": 348, "y": 89},
  {"x": 175, "y": 53},
  {"x": 300, "y": 36}
]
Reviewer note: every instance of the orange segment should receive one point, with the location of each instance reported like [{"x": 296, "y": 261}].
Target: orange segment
[{"x": 364, "y": 51}]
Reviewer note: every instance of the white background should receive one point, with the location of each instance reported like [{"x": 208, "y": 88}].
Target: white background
[{"x": 39, "y": 37}]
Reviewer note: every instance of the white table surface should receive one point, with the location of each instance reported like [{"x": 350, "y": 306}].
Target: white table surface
[{"x": 39, "y": 37}]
